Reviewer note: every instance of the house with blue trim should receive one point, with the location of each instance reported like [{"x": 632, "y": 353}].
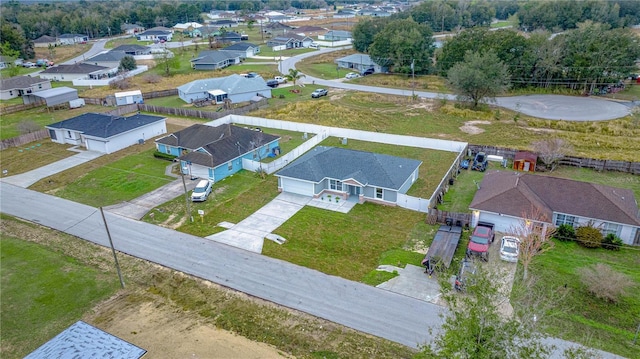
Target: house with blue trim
[
  {"x": 233, "y": 87},
  {"x": 217, "y": 152},
  {"x": 351, "y": 175}
]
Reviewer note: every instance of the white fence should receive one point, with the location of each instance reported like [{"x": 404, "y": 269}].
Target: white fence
[
  {"x": 333, "y": 43},
  {"x": 322, "y": 132},
  {"x": 88, "y": 82}
]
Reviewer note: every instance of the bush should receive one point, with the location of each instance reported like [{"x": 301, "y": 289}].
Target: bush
[
  {"x": 565, "y": 232},
  {"x": 612, "y": 242},
  {"x": 589, "y": 237},
  {"x": 120, "y": 84},
  {"x": 151, "y": 78},
  {"x": 604, "y": 282},
  {"x": 163, "y": 156}
]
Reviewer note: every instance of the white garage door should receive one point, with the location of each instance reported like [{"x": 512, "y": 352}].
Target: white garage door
[
  {"x": 298, "y": 187},
  {"x": 501, "y": 223}
]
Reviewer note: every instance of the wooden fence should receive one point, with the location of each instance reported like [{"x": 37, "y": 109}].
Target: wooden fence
[
  {"x": 599, "y": 165},
  {"x": 210, "y": 115},
  {"x": 449, "y": 218},
  {"x": 24, "y": 139},
  {"x": 20, "y": 107}
]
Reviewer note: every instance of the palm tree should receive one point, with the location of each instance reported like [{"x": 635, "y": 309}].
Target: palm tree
[{"x": 294, "y": 75}]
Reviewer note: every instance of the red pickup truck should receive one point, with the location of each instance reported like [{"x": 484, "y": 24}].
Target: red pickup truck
[{"x": 480, "y": 240}]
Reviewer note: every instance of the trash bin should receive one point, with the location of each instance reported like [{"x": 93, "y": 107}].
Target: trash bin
[{"x": 451, "y": 180}]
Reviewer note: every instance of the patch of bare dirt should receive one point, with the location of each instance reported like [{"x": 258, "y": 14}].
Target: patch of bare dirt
[
  {"x": 471, "y": 128},
  {"x": 541, "y": 130},
  {"x": 337, "y": 94},
  {"x": 422, "y": 105}
]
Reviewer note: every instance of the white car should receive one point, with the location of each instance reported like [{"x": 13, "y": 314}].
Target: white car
[
  {"x": 202, "y": 191},
  {"x": 352, "y": 75},
  {"x": 509, "y": 249},
  {"x": 280, "y": 79}
]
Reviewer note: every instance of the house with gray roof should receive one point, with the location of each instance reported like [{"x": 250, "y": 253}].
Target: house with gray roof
[
  {"x": 110, "y": 59},
  {"x": 17, "y": 86},
  {"x": 244, "y": 49},
  {"x": 289, "y": 41},
  {"x": 106, "y": 133},
  {"x": 228, "y": 23},
  {"x": 352, "y": 175},
  {"x": 133, "y": 49},
  {"x": 507, "y": 198},
  {"x": 77, "y": 71},
  {"x": 72, "y": 39},
  {"x": 217, "y": 152},
  {"x": 131, "y": 29},
  {"x": 336, "y": 35},
  {"x": 234, "y": 87},
  {"x": 46, "y": 41},
  {"x": 213, "y": 60},
  {"x": 360, "y": 63},
  {"x": 155, "y": 34}
]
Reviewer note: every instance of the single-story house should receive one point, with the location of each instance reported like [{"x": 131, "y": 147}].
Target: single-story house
[
  {"x": 82, "y": 340},
  {"x": 229, "y": 36},
  {"x": 360, "y": 63},
  {"x": 209, "y": 31},
  {"x": 290, "y": 41},
  {"x": 352, "y": 175},
  {"x": 234, "y": 87},
  {"x": 310, "y": 30},
  {"x": 213, "y": 60},
  {"x": 107, "y": 133},
  {"x": 13, "y": 87},
  {"x": 217, "y": 152},
  {"x": 345, "y": 13},
  {"x": 336, "y": 35},
  {"x": 53, "y": 96},
  {"x": 155, "y": 34},
  {"x": 275, "y": 28},
  {"x": 45, "y": 41},
  {"x": 374, "y": 11},
  {"x": 249, "y": 49},
  {"x": 525, "y": 161},
  {"x": 131, "y": 29},
  {"x": 109, "y": 59},
  {"x": 191, "y": 29},
  {"x": 224, "y": 23},
  {"x": 77, "y": 71},
  {"x": 505, "y": 197},
  {"x": 72, "y": 39},
  {"x": 133, "y": 50}
]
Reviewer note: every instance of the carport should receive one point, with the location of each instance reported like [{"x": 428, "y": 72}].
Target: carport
[{"x": 56, "y": 96}]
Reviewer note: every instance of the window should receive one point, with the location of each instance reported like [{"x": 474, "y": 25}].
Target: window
[
  {"x": 379, "y": 193},
  {"x": 610, "y": 228},
  {"x": 230, "y": 166},
  {"x": 167, "y": 149},
  {"x": 565, "y": 219},
  {"x": 335, "y": 185},
  {"x": 39, "y": 86}
]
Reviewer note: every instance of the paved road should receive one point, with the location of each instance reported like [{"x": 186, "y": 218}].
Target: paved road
[
  {"x": 551, "y": 107},
  {"x": 97, "y": 48}
]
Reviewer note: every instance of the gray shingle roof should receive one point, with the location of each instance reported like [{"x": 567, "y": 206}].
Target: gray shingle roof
[
  {"x": 213, "y": 57},
  {"x": 241, "y": 46},
  {"x": 367, "y": 168},
  {"x": 79, "y": 68},
  {"x": 363, "y": 59},
  {"x": 220, "y": 144},
  {"x": 45, "y": 39},
  {"x": 514, "y": 193},
  {"x": 105, "y": 126},
  {"x": 229, "y": 84},
  {"x": 110, "y": 56},
  {"x": 82, "y": 340},
  {"x": 19, "y": 82}
]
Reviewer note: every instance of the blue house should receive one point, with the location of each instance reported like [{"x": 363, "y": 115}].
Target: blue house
[{"x": 217, "y": 152}]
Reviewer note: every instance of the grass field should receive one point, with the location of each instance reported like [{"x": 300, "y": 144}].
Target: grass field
[{"x": 43, "y": 292}]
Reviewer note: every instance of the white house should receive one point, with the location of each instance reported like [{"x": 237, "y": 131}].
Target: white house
[{"x": 234, "y": 87}]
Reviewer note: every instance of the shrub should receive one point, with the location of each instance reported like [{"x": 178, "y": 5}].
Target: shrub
[
  {"x": 589, "y": 236},
  {"x": 612, "y": 242},
  {"x": 163, "y": 156},
  {"x": 120, "y": 84},
  {"x": 604, "y": 282},
  {"x": 151, "y": 78},
  {"x": 565, "y": 232},
  {"x": 28, "y": 126}
]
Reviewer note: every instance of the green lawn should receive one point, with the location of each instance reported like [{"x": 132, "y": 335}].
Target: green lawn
[
  {"x": 43, "y": 292},
  {"x": 580, "y": 316},
  {"x": 122, "y": 180}
]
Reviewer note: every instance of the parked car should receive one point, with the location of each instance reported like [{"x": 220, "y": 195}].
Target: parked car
[
  {"x": 480, "y": 162},
  {"x": 367, "y": 72},
  {"x": 29, "y": 64},
  {"x": 352, "y": 75},
  {"x": 509, "y": 249},
  {"x": 480, "y": 240},
  {"x": 319, "y": 93},
  {"x": 251, "y": 75},
  {"x": 465, "y": 275},
  {"x": 273, "y": 83},
  {"x": 44, "y": 62},
  {"x": 280, "y": 79},
  {"x": 314, "y": 45},
  {"x": 202, "y": 191}
]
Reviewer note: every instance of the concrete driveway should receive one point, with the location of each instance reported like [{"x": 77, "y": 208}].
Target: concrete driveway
[{"x": 250, "y": 233}]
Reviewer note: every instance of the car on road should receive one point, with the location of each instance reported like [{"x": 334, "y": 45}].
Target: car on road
[
  {"x": 467, "y": 270},
  {"x": 273, "y": 83},
  {"x": 319, "y": 93},
  {"x": 367, "y": 72},
  {"x": 202, "y": 191},
  {"x": 509, "y": 249},
  {"x": 480, "y": 240},
  {"x": 352, "y": 75},
  {"x": 29, "y": 64},
  {"x": 480, "y": 162}
]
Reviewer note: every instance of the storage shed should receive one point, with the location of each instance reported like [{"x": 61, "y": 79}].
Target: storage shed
[
  {"x": 56, "y": 96},
  {"x": 525, "y": 161},
  {"x": 128, "y": 97}
]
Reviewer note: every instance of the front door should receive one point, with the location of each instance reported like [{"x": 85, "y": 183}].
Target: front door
[{"x": 354, "y": 190}]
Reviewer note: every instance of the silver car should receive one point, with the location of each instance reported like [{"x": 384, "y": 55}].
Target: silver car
[
  {"x": 509, "y": 249},
  {"x": 202, "y": 191}
]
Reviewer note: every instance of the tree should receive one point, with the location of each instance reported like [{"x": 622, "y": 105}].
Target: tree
[
  {"x": 479, "y": 78},
  {"x": 250, "y": 24},
  {"x": 127, "y": 63},
  {"x": 401, "y": 43},
  {"x": 551, "y": 150},
  {"x": 167, "y": 61},
  {"x": 10, "y": 56},
  {"x": 364, "y": 32},
  {"x": 534, "y": 235},
  {"x": 294, "y": 75}
]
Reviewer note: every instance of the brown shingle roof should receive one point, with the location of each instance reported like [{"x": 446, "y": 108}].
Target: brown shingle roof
[{"x": 514, "y": 194}]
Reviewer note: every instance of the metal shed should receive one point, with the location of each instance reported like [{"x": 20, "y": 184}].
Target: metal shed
[
  {"x": 128, "y": 97},
  {"x": 58, "y": 95}
]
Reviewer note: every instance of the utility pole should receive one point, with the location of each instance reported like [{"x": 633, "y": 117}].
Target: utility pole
[
  {"x": 186, "y": 196},
  {"x": 113, "y": 250},
  {"x": 413, "y": 79}
]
